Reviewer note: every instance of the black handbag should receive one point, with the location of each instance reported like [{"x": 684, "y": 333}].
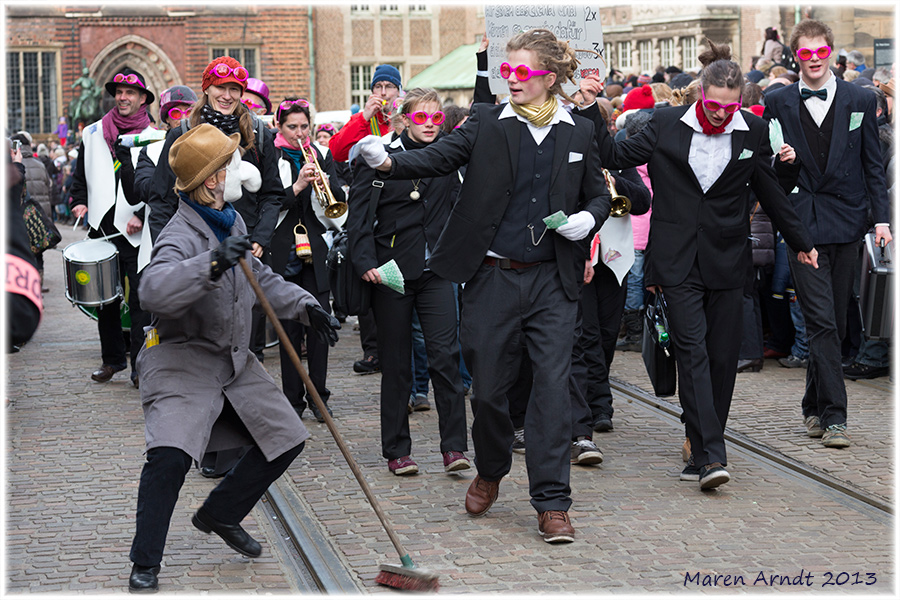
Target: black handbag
[
  {"x": 657, "y": 350},
  {"x": 350, "y": 294},
  {"x": 42, "y": 233}
]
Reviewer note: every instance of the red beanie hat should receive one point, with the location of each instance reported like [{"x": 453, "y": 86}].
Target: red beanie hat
[
  {"x": 231, "y": 72},
  {"x": 757, "y": 109},
  {"x": 641, "y": 97}
]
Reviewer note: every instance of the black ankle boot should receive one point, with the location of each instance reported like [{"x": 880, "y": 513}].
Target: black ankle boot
[
  {"x": 234, "y": 535},
  {"x": 143, "y": 580}
]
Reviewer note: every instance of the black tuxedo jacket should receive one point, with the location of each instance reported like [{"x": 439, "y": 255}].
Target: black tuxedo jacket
[
  {"x": 834, "y": 204},
  {"x": 402, "y": 226},
  {"x": 490, "y": 147},
  {"x": 711, "y": 228}
]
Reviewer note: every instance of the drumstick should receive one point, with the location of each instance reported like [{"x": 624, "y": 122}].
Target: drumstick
[{"x": 75, "y": 226}]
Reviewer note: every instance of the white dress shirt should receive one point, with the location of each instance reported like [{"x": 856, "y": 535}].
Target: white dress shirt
[
  {"x": 710, "y": 154},
  {"x": 817, "y": 107}
]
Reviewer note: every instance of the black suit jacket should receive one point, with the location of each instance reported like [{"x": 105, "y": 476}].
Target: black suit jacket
[
  {"x": 834, "y": 204},
  {"x": 402, "y": 226},
  {"x": 712, "y": 228},
  {"x": 490, "y": 147}
]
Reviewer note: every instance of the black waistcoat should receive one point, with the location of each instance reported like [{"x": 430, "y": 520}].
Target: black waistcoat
[
  {"x": 529, "y": 204},
  {"x": 818, "y": 137}
]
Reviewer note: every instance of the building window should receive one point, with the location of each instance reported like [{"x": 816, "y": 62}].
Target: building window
[
  {"x": 624, "y": 57},
  {"x": 390, "y": 9},
  {"x": 608, "y": 56},
  {"x": 645, "y": 56},
  {"x": 359, "y": 8},
  {"x": 688, "y": 53},
  {"x": 360, "y": 84},
  {"x": 667, "y": 52},
  {"x": 248, "y": 57},
  {"x": 418, "y": 9},
  {"x": 32, "y": 83}
]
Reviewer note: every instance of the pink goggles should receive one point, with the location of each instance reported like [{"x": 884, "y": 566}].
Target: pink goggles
[
  {"x": 713, "y": 106},
  {"x": 822, "y": 52},
  {"x": 420, "y": 117},
  {"x": 222, "y": 70},
  {"x": 523, "y": 72},
  {"x": 130, "y": 79},
  {"x": 178, "y": 113}
]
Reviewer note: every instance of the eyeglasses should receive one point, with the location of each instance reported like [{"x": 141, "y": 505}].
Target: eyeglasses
[
  {"x": 420, "y": 117},
  {"x": 223, "y": 70},
  {"x": 822, "y": 52},
  {"x": 252, "y": 105},
  {"x": 130, "y": 79},
  {"x": 713, "y": 106},
  {"x": 178, "y": 113},
  {"x": 523, "y": 72},
  {"x": 383, "y": 86}
]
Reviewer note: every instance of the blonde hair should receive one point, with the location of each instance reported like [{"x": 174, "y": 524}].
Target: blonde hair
[
  {"x": 777, "y": 71},
  {"x": 417, "y": 96},
  {"x": 688, "y": 94},
  {"x": 850, "y": 75},
  {"x": 552, "y": 55},
  {"x": 245, "y": 121},
  {"x": 661, "y": 92}
]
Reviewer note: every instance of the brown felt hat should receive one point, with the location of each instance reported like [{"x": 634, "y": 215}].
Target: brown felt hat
[{"x": 199, "y": 153}]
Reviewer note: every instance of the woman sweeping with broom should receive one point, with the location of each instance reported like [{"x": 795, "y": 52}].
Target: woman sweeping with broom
[{"x": 201, "y": 386}]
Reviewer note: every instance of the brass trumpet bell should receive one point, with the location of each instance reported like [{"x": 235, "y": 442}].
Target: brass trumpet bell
[
  {"x": 332, "y": 208},
  {"x": 619, "y": 206}
]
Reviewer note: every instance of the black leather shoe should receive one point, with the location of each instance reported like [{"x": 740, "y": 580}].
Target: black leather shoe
[
  {"x": 143, "y": 580},
  {"x": 105, "y": 372},
  {"x": 754, "y": 365},
  {"x": 210, "y": 473},
  {"x": 234, "y": 535}
]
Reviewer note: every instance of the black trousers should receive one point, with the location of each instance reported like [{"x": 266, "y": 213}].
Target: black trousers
[
  {"x": 316, "y": 349},
  {"x": 434, "y": 301},
  {"x": 368, "y": 334},
  {"x": 706, "y": 329},
  {"x": 228, "y": 503},
  {"x": 602, "y": 305},
  {"x": 109, "y": 318},
  {"x": 502, "y": 310},
  {"x": 824, "y": 295}
]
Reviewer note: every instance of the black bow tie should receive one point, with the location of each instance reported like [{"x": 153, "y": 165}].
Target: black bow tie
[{"x": 808, "y": 93}]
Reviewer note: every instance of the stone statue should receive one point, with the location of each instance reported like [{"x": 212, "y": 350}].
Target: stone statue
[{"x": 86, "y": 107}]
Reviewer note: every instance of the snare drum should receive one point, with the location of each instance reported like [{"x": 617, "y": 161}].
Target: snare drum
[{"x": 92, "y": 273}]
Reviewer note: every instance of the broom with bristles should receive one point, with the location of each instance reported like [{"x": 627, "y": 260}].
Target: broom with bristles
[{"x": 405, "y": 576}]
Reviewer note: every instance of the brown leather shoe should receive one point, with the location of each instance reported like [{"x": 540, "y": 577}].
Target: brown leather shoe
[
  {"x": 481, "y": 496},
  {"x": 555, "y": 528},
  {"x": 105, "y": 373}
]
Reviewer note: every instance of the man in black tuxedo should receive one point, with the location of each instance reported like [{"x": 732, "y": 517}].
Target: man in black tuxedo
[
  {"x": 832, "y": 125},
  {"x": 703, "y": 160},
  {"x": 526, "y": 160}
]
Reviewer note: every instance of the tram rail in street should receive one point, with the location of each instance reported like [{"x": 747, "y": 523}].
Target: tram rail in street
[{"x": 634, "y": 393}]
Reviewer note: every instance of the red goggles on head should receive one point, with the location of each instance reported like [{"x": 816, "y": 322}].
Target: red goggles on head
[
  {"x": 286, "y": 104},
  {"x": 327, "y": 128},
  {"x": 178, "y": 113},
  {"x": 130, "y": 79},
  {"x": 713, "y": 106},
  {"x": 251, "y": 104},
  {"x": 822, "y": 52},
  {"x": 420, "y": 117},
  {"x": 523, "y": 72},
  {"x": 223, "y": 70}
]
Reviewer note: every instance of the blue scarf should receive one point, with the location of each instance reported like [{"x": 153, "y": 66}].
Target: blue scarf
[{"x": 220, "y": 221}]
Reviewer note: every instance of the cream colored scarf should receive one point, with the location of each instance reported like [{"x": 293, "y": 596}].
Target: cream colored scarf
[{"x": 539, "y": 116}]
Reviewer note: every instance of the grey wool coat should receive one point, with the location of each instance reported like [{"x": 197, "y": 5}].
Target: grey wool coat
[{"x": 203, "y": 355}]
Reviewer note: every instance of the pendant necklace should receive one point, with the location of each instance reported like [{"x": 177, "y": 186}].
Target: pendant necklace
[{"x": 415, "y": 195}]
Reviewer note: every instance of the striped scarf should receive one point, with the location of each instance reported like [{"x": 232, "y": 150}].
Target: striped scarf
[{"x": 539, "y": 116}]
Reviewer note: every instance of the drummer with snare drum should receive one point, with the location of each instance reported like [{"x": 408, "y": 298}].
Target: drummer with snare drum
[{"x": 103, "y": 193}]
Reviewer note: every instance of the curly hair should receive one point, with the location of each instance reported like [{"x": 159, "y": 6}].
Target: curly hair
[
  {"x": 811, "y": 28},
  {"x": 718, "y": 68},
  {"x": 552, "y": 55}
]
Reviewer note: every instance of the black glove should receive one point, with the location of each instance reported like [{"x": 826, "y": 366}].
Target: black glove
[
  {"x": 227, "y": 254},
  {"x": 323, "y": 323}
]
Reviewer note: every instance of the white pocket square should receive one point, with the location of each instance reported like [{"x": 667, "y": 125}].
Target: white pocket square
[
  {"x": 747, "y": 153},
  {"x": 575, "y": 156}
]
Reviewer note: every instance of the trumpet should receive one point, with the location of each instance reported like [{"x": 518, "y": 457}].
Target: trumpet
[
  {"x": 619, "y": 205},
  {"x": 333, "y": 208}
]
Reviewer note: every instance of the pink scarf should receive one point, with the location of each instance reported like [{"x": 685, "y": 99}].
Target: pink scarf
[
  {"x": 280, "y": 142},
  {"x": 115, "y": 125}
]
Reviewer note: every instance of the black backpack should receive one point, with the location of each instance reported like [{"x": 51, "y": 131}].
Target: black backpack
[{"x": 788, "y": 61}]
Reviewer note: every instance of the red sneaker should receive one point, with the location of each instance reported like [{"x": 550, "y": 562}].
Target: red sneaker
[{"x": 455, "y": 461}]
